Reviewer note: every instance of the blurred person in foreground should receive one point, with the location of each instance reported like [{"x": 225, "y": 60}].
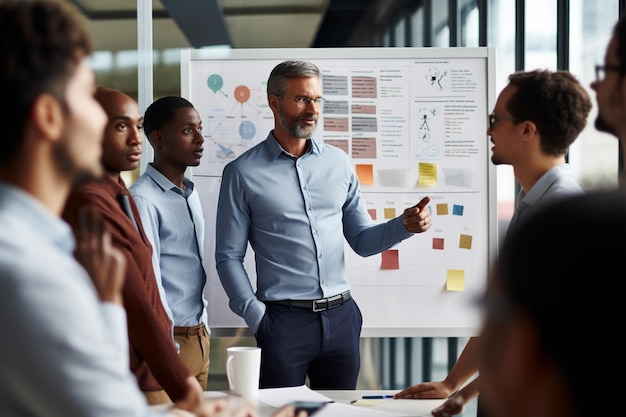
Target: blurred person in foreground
[
  {"x": 537, "y": 116},
  {"x": 65, "y": 346},
  {"x": 551, "y": 297}
]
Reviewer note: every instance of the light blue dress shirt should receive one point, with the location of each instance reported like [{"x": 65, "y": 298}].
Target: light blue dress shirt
[
  {"x": 62, "y": 351},
  {"x": 558, "y": 182},
  {"x": 295, "y": 212},
  {"x": 174, "y": 223}
]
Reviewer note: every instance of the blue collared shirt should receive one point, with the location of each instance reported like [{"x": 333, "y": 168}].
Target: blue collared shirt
[
  {"x": 61, "y": 347},
  {"x": 295, "y": 212},
  {"x": 174, "y": 223},
  {"x": 556, "y": 183}
]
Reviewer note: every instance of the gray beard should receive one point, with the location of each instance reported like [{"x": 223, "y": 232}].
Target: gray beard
[{"x": 294, "y": 128}]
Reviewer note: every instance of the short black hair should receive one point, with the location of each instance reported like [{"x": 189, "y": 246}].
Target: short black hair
[{"x": 161, "y": 112}]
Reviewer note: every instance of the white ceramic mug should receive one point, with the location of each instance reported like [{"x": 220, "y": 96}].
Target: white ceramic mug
[{"x": 243, "y": 364}]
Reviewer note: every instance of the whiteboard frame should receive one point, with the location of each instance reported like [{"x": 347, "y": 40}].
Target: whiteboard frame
[{"x": 487, "y": 53}]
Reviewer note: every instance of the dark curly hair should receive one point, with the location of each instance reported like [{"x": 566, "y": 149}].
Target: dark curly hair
[{"x": 555, "y": 101}]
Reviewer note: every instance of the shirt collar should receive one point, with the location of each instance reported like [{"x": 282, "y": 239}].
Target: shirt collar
[
  {"x": 539, "y": 189},
  {"x": 164, "y": 182},
  {"x": 274, "y": 149},
  {"x": 38, "y": 216}
]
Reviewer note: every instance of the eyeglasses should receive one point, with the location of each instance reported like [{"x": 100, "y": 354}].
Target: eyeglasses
[
  {"x": 303, "y": 101},
  {"x": 601, "y": 70},
  {"x": 493, "y": 118}
]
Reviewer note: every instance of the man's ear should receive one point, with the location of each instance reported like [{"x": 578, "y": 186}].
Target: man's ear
[
  {"x": 273, "y": 102},
  {"x": 48, "y": 116},
  {"x": 156, "y": 138},
  {"x": 529, "y": 129}
]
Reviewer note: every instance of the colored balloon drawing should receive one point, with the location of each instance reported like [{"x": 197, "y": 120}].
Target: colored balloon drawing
[
  {"x": 215, "y": 82},
  {"x": 242, "y": 94}
]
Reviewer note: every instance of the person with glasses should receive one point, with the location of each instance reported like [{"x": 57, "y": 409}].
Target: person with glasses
[
  {"x": 610, "y": 88},
  {"x": 551, "y": 309},
  {"x": 295, "y": 200},
  {"x": 537, "y": 116}
]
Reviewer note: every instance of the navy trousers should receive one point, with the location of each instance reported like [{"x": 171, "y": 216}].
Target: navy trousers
[{"x": 296, "y": 343}]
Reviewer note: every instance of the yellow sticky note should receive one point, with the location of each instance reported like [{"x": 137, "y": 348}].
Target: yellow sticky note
[
  {"x": 465, "y": 242},
  {"x": 390, "y": 212},
  {"x": 455, "y": 280},
  {"x": 365, "y": 172},
  {"x": 427, "y": 174}
]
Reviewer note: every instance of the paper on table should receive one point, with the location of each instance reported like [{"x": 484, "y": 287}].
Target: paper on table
[
  {"x": 417, "y": 408},
  {"x": 346, "y": 410},
  {"x": 277, "y": 397}
]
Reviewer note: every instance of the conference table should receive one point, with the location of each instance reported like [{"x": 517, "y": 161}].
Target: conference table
[{"x": 341, "y": 403}]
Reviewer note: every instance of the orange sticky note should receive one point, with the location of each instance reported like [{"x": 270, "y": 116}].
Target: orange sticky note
[
  {"x": 465, "y": 241},
  {"x": 365, "y": 172},
  {"x": 442, "y": 209},
  {"x": 438, "y": 243},
  {"x": 390, "y": 259},
  {"x": 372, "y": 213}
]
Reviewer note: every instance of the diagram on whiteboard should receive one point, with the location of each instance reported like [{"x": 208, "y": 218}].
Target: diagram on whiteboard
[
  {"x": 438, "y": 78},
  {"x": 238, "y": 118},
  {"x": 429, "y": 145}
]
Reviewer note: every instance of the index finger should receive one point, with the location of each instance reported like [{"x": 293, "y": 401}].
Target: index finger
[{"x": 422, "y": 203}]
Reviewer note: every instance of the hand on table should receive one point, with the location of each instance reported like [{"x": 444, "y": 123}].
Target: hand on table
[
  {"x": 452, "y": 406},
  {"x": 426, "y": 390}
]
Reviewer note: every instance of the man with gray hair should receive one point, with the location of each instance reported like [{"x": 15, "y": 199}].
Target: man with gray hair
[{"x": 290, "y": 197}]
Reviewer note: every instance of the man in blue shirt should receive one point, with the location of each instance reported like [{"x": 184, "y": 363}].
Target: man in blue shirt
[
  {"x": 530, "y": 130},
  {"x": 169, "y": 207},
  {"x": 291, "y": 197}
]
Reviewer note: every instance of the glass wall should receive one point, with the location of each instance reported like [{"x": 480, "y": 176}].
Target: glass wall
[{"x": 594, "y": 154}]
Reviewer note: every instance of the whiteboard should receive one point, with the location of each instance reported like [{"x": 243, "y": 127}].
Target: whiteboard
[{"x": 413, "y": 121}]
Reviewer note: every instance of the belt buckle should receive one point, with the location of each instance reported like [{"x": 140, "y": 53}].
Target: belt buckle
[{"x": 322, "y": 301}]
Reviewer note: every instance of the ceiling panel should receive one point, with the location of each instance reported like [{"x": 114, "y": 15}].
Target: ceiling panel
[
  {"x": 294, "y": 31},
  {"x": 123, "y": 37},
  {"x": 248, "y": 23}
]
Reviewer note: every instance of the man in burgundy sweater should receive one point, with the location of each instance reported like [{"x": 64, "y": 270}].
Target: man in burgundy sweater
[{"x": 154, "y": 359}]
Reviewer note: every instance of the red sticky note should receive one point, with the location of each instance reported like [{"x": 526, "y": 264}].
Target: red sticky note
[{"x": 390, "y": 259}]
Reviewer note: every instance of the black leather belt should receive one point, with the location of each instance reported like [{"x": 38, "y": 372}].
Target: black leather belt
[{"x": 321, "y": 304}]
